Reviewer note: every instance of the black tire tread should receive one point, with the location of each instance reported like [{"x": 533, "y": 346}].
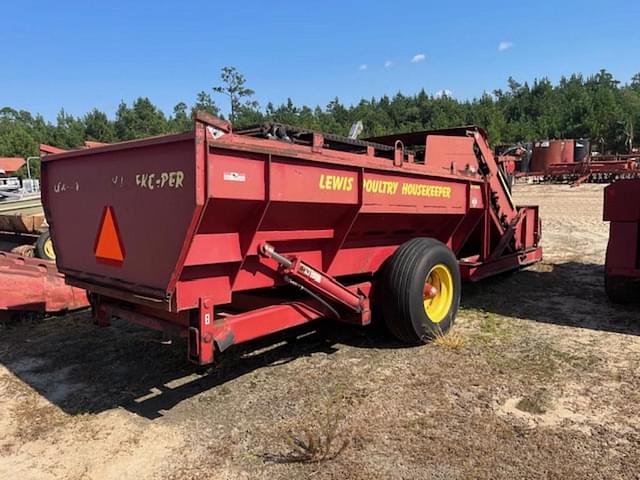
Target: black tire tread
[{"x": 407, "y": 255}]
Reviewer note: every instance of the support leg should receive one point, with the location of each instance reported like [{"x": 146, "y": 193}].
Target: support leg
[{"x": 201, "y": 344}]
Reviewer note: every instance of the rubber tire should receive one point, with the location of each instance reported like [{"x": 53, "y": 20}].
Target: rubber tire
[
  {"x": 403, "y": 286},
  {"x": 40, "y": 246},
  {"x": 621, "y": 289}
]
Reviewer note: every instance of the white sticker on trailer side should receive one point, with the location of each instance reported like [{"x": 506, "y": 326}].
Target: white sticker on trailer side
[{"x": 234, "y": 177}]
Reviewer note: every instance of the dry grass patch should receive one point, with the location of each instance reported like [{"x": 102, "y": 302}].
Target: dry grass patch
[
  {"x": 314, "y": 444},
  {"x": 450, "y": 340}
]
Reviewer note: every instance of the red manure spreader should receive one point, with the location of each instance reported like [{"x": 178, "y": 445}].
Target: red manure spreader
[
  {"x": 224, "y": 236},
  {"x": 622, "y": 266}
]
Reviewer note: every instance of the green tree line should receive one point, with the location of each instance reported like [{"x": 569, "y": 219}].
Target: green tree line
[{"x": 598, "y": 107}]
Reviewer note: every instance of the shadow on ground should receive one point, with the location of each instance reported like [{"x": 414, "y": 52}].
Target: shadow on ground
[
  {"x": 83, "y": 368},
  {"x": 569, "y": 294},
  {"x": 86, "y": 369}
]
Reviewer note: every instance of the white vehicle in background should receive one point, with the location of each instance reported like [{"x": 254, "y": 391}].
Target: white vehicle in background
[
  {"x": 21, "y": 215},
  {"x": 11, "y": 186}
]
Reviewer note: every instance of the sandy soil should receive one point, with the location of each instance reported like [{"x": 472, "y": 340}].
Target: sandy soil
[{"x": 544, "y": 382}]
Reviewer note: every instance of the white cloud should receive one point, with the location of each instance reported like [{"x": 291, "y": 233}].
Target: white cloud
[
  {"x": 420, "y": 57},
  {"x": 490, "y": 94},
  {"x": 443, "y": 93},
  {"x": 502, "y": 46},
  {"x": 388, "y": 64},
  {"x": 363, "y": 67}
]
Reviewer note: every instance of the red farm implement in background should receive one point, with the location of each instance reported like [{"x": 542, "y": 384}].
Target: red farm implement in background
[
  {"x": 622, "y": 267},
  {"x": 571, "y": 161},
  {"x": 29, "y": 286},
  {"x": 32, "y": 285},
  {"x": 224, "y": 237}
]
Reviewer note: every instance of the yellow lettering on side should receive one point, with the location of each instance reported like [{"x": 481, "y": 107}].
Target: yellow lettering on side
[
  {"x": 337, "y": 182},
  {"x": 349, "y": 184},
  {"x": 418, "y": 190},
  {"x": 164, "y": 176},
  {"x": 151, "y": 181}
]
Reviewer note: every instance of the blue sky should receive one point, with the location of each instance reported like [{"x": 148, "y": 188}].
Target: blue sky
[{"x": 80, "y": 55}]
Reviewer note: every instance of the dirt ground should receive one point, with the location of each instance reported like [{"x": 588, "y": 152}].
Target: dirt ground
[{"x": 540, "y": 379}]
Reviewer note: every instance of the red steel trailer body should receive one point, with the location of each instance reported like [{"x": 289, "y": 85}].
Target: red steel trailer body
[
  {"x": 622, "y": 266},
  {"x": 212, "y": 234}
]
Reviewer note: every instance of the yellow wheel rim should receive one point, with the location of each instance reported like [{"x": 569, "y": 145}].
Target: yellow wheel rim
[
  {"x": 438, "y": 302},
  {"x": 48, "y": 249}
]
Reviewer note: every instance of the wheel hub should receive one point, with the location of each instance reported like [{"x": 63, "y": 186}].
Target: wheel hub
[{"x": 438, "y": 293}]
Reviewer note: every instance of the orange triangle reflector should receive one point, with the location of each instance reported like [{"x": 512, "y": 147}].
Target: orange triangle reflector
[{"x": 108, "y": 247}]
